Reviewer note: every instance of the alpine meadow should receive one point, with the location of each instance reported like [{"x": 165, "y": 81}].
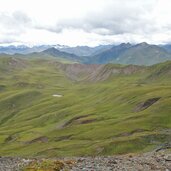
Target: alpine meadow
[{"x": 87, "y": 89}]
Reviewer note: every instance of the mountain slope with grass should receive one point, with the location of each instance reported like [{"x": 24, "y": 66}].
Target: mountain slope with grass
[
  {"x": 125, "y": 53},
  {"x": 109, "y": 54},
  {"x": 167, "y": 47},
  {"x": 51, "y": 109},
  {"x": 85, "y": 50},
  {"x": 143, "y": 54}
]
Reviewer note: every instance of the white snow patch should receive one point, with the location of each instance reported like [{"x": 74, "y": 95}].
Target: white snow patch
[{"x": 57, "y": 95}]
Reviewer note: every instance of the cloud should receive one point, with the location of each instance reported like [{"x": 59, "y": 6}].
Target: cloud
[
  {"x": 14, "y": 23},
  {"x": 14, "y": 20},
  {"x": 80, "y": 22},
  {"x": 117, "y": 17}
]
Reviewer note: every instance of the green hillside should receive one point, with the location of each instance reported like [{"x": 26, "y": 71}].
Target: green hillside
[
  {"x": 143, "y": 54},
  {"x": 46, "y": 109}
]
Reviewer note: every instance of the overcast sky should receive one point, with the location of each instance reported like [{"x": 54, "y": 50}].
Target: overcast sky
[{"x": 84, "y": 22}]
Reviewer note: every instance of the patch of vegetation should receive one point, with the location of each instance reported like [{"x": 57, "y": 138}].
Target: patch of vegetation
[
  {"x": 45, "y": 165},
  {"x": 91, "y": 117}
]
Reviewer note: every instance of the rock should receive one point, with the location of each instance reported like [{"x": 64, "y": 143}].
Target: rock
[
  {"x": 167, "y": 158},
  {"x": 150, "y": 161}
]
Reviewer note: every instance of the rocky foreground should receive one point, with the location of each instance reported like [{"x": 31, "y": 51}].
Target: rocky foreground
[{"x": 153, "y": 161}]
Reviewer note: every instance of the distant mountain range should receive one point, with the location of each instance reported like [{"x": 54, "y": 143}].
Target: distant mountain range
[
  {"x": 86, "y": 50},
  {"x": 57, "y": 53},
  {"x": 125, "y": 53},
  {"x": 143, "y": 54},
  {"x": 108, "y": 55},
  {"x": 167, "y": 47},
  {"x": 78, "y": 50}
]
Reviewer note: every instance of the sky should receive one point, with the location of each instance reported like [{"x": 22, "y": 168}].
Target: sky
[{"x": 84, "y": 22}]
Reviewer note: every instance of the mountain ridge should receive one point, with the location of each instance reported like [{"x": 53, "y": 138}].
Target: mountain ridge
[
  {"x": 124, "y": 53},
  {"x": 143, "y": 54}
]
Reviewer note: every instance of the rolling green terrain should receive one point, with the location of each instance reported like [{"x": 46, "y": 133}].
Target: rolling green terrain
[{"x": 103, "y": 109}]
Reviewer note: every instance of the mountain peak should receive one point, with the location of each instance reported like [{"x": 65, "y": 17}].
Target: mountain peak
[
  {"x": 52, "y": 49},
  {"x": 143, "y": 44},
  {"x": 125, "y": 44}
]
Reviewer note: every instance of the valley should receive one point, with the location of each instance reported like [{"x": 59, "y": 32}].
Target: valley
[
  {"x": 85, "y": 85},
  {"x": 104, "y": 109}
]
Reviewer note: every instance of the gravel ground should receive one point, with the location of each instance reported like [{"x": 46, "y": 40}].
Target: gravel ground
[{"x": 152, "y": 161}]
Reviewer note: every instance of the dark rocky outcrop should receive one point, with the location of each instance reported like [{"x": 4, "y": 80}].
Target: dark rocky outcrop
[
  {"x": 146, "y": 104},
  {"x": 77, "y": 120},
  {"x": 42, "y": 139}
]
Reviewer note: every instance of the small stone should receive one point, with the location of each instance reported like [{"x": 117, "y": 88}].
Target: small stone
[{"x": 167, "y": 158}]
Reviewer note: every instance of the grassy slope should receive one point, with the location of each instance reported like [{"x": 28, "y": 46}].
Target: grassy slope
[
  {"x": 143, "y": 54},
  {"x": 28, "y": 111}
]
